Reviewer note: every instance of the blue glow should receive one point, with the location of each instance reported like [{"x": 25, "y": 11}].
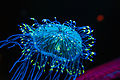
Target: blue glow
[{"x": 62, "y": 47}]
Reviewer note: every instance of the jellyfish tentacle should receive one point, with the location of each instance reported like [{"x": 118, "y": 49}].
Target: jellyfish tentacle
[
  {"x": 16, "y": 63},
  {"x": 34, "y": 66}
]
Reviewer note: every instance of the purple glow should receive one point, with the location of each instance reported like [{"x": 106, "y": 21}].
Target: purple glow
[{"x": 107, "y": 71}]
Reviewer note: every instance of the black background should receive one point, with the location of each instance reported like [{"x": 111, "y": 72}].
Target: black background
[{"x": 84, "y": 12}]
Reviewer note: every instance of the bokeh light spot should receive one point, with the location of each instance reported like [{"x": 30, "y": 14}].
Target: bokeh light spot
[{"x": 100, "y": 17}]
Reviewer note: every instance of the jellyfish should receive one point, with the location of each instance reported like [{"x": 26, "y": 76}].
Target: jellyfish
[{"x": 51, "y": 47}]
